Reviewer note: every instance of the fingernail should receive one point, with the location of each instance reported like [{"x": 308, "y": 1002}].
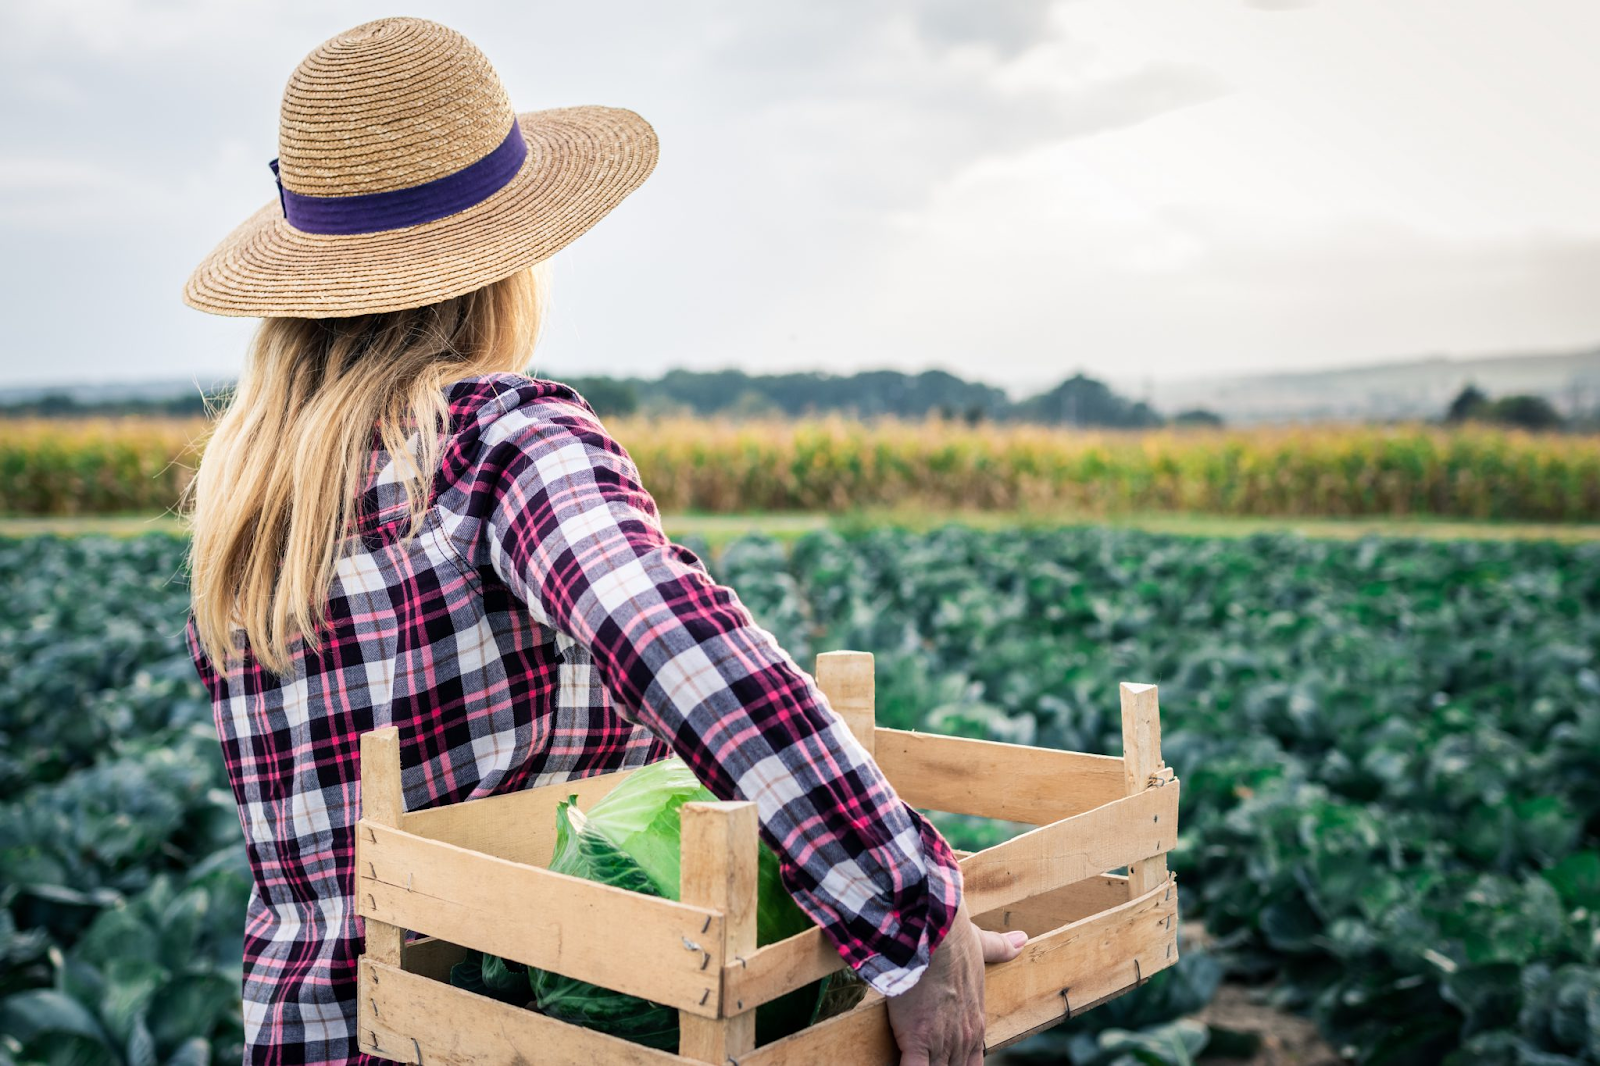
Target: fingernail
[{"x": 1017, "y": 938}]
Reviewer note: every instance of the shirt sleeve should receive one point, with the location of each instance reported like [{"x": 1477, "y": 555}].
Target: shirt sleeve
[{"x": 568, "y": 527}]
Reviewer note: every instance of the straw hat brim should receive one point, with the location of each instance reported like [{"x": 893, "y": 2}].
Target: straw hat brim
[{"x": 582, "y": 161}]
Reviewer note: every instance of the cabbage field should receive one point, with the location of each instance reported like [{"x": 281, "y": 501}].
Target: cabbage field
[{"x": 1390, "y": 752}]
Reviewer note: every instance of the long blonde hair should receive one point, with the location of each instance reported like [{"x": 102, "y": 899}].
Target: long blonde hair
[{"x": 277, "y": 490}]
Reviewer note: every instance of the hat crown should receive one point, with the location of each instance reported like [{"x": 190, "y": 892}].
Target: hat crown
[{"x": 388, "y": 105}]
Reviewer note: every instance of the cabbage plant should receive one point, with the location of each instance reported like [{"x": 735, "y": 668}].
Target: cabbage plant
[{"x": 631, "y": 839}]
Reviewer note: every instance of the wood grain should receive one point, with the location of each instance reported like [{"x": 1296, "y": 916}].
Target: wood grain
[
  {"x": 519, "y": 826},
  {"x": 1091, "y": 960},
  {"x": 609, "y": 936},
  {"x": 718, "y": 872},
  {"x": 382, "y": 803},
  {"x": 993, "y": 780},
  {"x": 1141, "y": 754},
  {"x": 1072, "y": 850},
  {"x": 1051, "y": 910},
  {"x": 846, "y": 679},
  {"x": 409, "y": 1018}
]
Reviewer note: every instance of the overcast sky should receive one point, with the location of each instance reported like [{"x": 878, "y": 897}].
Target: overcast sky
[{"x": 1007, "y": 189}]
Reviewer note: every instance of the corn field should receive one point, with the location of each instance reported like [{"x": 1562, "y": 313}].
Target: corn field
[{"x": 96, "y": 467}]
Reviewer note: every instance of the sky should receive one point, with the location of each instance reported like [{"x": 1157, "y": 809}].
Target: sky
[{"x": 1012, "y": 190}]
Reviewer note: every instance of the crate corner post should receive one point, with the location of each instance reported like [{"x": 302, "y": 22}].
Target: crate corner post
[
  {"x": 846, "y": 678},
  {"x": 1141, "y": 761},
  {"x": 382, "y": 803},
  {"x": 718, "y": 871}
]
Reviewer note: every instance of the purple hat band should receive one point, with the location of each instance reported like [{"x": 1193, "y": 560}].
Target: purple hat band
[{"x": 373, "y": 212}]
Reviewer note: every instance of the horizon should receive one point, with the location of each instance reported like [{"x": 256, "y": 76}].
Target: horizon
[{"x": 1122, "y": 385}]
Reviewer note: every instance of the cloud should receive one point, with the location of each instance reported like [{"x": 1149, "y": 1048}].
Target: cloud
[
  {"x": 872, "y": 111},
  {"x": 38, "y": 192},
  {"x": 1008, "y": 26},
  {"x": 1009, "y": 188},
  {"x": 128, "y": 28},
  {"x": 1053, "y": 267}
]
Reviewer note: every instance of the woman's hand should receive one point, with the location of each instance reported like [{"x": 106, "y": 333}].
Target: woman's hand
[{"x": 939, "y": 1020}]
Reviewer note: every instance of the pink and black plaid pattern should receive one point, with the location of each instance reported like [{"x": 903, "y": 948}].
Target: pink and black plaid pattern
[{"x": 541, "y": 627}]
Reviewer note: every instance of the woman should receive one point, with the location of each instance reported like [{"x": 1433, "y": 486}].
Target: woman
[{"x": 393, "y": 527}]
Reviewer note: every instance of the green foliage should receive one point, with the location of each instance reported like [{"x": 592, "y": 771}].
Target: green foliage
[
  {"x": 866, "y": 394},
  {"x": 1388, "y": 753},
  {"x": 1388, "y": 747},
  {"x": 1198, "y": 416},
  {"x": 1522, "y": 411},
  {"x": 1471, "y": 402},
  {"x": 1525, "y": 412},
  {"x": 1083, "y": 401},
  {"x": 610, "y": 397},
  {"x": 124, "y": 887},
  {"x": 631, "y": 839}
]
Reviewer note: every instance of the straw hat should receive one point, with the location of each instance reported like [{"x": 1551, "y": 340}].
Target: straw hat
[{"x": 406, "y": 178}]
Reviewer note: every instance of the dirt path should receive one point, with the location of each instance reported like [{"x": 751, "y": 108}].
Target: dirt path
[{"x": 1286, "y": 1039}]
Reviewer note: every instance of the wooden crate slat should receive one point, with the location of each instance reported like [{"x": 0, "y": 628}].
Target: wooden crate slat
[
  {"x": 1050, "y": 910},
  {"x": 780, "y": 967},
  {"x": 1072, "y": 849},
  {"x": 612, "y": 937},
  {"x": 861, "y": 1037},
  {"x": 518, "y": 826},
  {"x": 453, "y": 1027},
  {"x": 1093, "y": 956},
  {"x": 994, "y": 780},
  {"x": 809, "y": 956}
]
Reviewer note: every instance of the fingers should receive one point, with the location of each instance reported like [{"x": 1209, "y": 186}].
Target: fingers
[
  {"x": 961, "y": 1047},
  {"x": 1001, "y": 947},
  {"x": 953, "y": 1056}
]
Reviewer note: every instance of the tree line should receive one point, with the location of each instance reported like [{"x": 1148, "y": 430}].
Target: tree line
[
  {"x": 1521, "y": 411},
  {"x": 1077, "y": 401}
]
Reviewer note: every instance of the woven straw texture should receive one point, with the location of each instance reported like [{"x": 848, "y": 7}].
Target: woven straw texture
[{"x": 393, "y": 104}]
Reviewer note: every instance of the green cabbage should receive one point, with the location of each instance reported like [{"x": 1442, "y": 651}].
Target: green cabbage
[{"x": 630, "y": 839}]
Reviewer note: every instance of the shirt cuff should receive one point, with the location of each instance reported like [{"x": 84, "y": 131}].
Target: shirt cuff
[{"x": 943, "y": 897}]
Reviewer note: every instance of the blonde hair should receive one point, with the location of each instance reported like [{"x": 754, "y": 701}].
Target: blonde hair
[{"x": 277, "y": 490}]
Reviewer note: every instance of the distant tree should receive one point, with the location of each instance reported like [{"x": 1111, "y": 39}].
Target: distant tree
[
  {"x": 610, "y": 397},
  {"x": 867, "y": 394},
  {"x": 1525, "y": 412},
  {"x": 55, "y": 405},
  {"x": 1197, "y": 416},
  {"x": 194, "y": 404},
  {"x": 753, "y": 403},
  {"x": 1083, "y": 401},
  {"x": 1469, "y": 403}
]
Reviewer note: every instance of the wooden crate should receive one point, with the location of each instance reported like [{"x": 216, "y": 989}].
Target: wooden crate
[{"x": 473, "y": 875}]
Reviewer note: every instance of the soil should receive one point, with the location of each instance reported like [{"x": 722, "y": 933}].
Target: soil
[{"x": 1286, "y": 1039}]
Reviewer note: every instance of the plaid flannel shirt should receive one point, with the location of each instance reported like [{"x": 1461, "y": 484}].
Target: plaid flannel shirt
[{"x": 541, "y": 627}]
